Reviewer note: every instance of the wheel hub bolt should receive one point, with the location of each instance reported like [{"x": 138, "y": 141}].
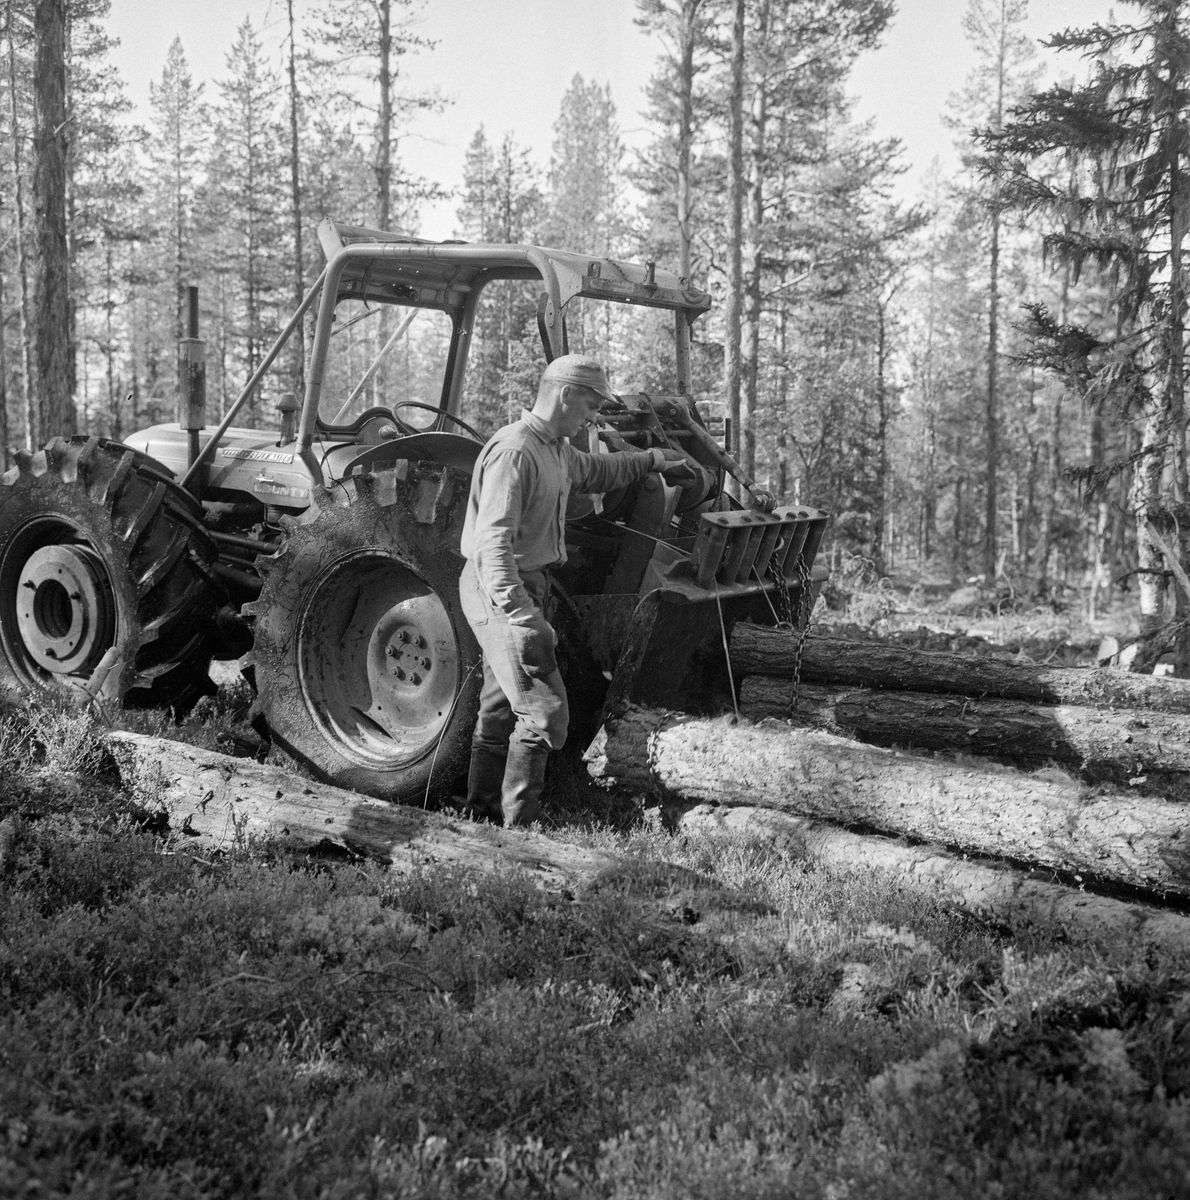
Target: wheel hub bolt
[
  {"x": 425, "y": 662},
  {"x": 415, "y": 678},
  {"x": 419, "y": 640},
  {"x": 397, "y": 672},
  {"x": 391, "y": 651},
  {"x": 403, "y": 635}
]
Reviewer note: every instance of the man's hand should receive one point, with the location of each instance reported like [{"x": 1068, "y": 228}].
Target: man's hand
[
  {"x": 535, "y": 645},
  {"x": 674, "y": 467}
]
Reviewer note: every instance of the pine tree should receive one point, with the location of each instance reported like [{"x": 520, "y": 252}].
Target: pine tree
[
  {"x": 684, "y": 28},
  {"x": 995, "y": 30},
  {"x": 368, "y": 39}
]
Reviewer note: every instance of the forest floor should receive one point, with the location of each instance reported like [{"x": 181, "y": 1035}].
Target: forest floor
[{"x": 714, "y": 1019}]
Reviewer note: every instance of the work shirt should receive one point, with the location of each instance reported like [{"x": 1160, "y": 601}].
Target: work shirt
[{"x": 516, "y": 514}]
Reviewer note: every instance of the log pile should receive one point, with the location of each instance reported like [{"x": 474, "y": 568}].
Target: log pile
[
  {"x": 1045, "y": 818},
  {"x": 1107, "y": 725},
  {"x": 1068, "y": 770},
  {"x": 212, "y": 801}
]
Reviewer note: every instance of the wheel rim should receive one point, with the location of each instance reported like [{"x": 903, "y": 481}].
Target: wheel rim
[
  {"x": 58, "y": 612},
  {"x": 378, "y": 660}
]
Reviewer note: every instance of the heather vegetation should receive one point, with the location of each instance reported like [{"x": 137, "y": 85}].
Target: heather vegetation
[
  {"x": 985, "y": 388},
  {"x": 710, "y": 1019}
]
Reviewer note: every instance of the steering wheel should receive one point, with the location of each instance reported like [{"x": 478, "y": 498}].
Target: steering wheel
[{"x": 438, "y": 412}]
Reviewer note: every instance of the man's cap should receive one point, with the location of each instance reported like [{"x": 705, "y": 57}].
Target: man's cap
[{"x": 574, "y": 368}]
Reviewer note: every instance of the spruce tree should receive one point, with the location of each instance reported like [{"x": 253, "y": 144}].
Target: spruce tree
[
  {"x": 246, "y": 199},
  {"x": 501, "y": 203},
  {"x": 1122, "y": 211},
  {"x": 176, "y": 145}
]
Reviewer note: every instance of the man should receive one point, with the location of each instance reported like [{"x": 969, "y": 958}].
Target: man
[{"x": 513, "y": 535}]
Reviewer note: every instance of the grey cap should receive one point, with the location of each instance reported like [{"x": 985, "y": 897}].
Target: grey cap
[{"x": 574, "y": 368}]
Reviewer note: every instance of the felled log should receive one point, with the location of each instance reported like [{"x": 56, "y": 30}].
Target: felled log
[
  {"x": 1046, "y": 818},
  {"x": 1015, "y": 898},
  {"x": 1115, "y": 743},
  {"x": 762, "y": 650},
  {"x": 218, "y": 802}
]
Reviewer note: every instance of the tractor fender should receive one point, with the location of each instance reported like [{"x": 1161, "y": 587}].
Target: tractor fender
[{"x": 450, "y": 449}]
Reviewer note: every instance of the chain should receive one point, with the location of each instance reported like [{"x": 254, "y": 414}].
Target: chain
[{"x": 797, "y": 623}]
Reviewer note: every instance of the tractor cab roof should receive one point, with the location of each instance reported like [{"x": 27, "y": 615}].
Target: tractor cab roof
[{"x": 398, "y": 269}]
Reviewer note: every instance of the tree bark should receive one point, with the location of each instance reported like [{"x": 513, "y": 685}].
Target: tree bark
[
  {"x": 51, "y": 289},
  {"x": 735, "y": 230},
  {"x": 992, "y": 398},
  {"x": 1113, "y": 744},
  {"x": 687, "y": 37},
  {"x": 883, "y": 416},
  {"x": 1022, "y": 900},
  {"x": 295, "y": 187},
  {"x": 222, "y": 802},
  {"x": 763, "y": 650},
  {"x": 752, "y": 257},
  {"x": 1139, "y": 841},
  {"x": 28, "y": 381}
]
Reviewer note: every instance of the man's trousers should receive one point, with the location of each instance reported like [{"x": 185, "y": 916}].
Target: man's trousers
[{"x": 521, "y": 718}]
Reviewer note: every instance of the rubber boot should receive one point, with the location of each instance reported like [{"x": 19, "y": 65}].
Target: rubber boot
[
  {"x": 524, "y": 778},
  {"x": 485, "y": 779}
]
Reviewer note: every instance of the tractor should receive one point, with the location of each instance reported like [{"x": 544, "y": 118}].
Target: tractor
[{"x": 323, "y": 553}]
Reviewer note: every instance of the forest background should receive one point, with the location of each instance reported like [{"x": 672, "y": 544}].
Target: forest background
[{"x": 984, "y": 382}]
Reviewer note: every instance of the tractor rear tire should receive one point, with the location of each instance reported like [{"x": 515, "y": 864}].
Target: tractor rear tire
[
  {"x": 107, "y": 589},
  {"x": 366, "y": 670}
]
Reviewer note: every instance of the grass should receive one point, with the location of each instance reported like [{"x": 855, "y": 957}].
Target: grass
[{"x": 736, "y": 1023}]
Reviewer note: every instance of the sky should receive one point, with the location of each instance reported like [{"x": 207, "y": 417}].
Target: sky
[{"x": 505, "y": 64}]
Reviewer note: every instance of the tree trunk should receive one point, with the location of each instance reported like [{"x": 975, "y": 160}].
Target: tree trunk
[
  {"x": 1019, "y": 899},
  {"x": 1145, "y": 503},
  {"x": 1107, "y": 744},
  {"x": 295, "y": 183},
  {"x": 687, "y": 35},
  {"x": 1116, "y": 836},
  {"x": 880, "y": 489},
  {"x": 51, "y": 289},
  {"x": 222, "y": 802},
  {"x": 753, "y": 254},
  {"x": 384, "y": 125},
  {"x": 735, "y": 228},
  {"x": 991, "y": 409},
  {"x": 28, "y": 379},
  {"x": 763, "y": 650}
]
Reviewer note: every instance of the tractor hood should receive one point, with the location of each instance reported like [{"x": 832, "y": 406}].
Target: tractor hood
[{"x": 246, "y": 461}]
